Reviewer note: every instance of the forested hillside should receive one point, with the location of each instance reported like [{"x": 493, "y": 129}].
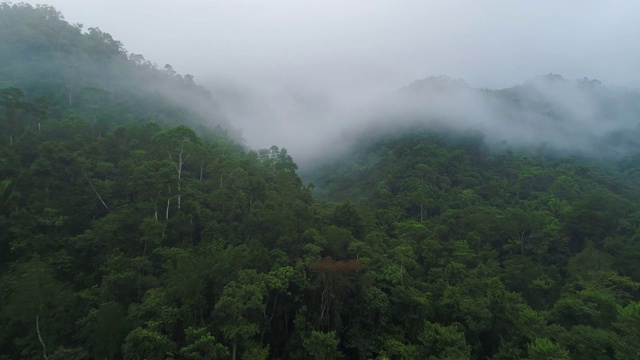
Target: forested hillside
[
  {"x": 529, "y": 255},
  {"x": 132, "y": 227},
  {"x": 88, "y": 73}
]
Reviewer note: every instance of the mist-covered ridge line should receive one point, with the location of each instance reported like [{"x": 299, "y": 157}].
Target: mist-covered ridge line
[{"x": 89, "y": 72}]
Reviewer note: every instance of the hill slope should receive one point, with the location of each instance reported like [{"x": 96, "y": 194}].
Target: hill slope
[{"x": 90, "y": 73}]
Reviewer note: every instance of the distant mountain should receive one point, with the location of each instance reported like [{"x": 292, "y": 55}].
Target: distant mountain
[
  {"x": 438, "y": 84},
  {"x": 582, "y": 116}
]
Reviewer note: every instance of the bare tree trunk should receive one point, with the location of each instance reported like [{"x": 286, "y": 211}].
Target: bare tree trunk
[
  {"x": 95, "y": 191},
  {"x": 181, "y": 160},
  {"x": 24, "y": 133},
  {"x": 44, "y": 347}
]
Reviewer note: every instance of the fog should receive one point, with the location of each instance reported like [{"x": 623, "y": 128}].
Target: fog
[{"x": 306, "y": 75}]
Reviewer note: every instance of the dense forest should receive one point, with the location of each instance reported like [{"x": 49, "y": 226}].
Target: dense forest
[{"x": 134, "y": 224}]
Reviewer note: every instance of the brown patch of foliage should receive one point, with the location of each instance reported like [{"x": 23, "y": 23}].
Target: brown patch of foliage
[{"x": 330, "y": 265}]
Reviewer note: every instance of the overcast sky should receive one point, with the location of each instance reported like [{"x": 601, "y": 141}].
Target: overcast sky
[{"x": 489, "y": 43}]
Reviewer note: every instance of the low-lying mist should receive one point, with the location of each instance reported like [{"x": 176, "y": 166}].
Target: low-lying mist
[{"x": 579, "y": 117}]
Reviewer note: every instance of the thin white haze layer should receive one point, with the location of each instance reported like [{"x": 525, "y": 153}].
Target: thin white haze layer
[{"x": 300, "y": 74}]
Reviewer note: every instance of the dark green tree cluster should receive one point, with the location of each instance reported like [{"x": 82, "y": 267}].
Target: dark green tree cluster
[
  {"x": 145, "y": 242},
  {"x": 497, "y": 254}
]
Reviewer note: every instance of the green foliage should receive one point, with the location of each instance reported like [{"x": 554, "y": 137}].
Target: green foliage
[
  {"x": 240, "y": 306},
  {"x": 201, "y": 345},
  {"x": 544, "y": 349},
  {"x": 129, "y": 231},
  {"x": 628, "y": 342},
  {"x": 443, "y": 342},
  {"x": 321, "y": 345},
  {"x": 145, "y": 343}
]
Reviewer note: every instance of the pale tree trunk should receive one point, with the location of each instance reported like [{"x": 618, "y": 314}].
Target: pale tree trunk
[
  {"x": 96, "y": 192},
  {"x": 24, "y": 133},
  {"x": 166, "y": 215},
  {"x": 524, "y": 238},
  {"x": 181, "y": 160},
  {"x": 222, "y": 179},
  {"x": 44, "y": 347}
]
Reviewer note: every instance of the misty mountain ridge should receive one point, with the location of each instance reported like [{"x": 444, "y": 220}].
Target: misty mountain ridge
[
  {"x": 579, "y": 117},
  {"x": 582, "y": 116},
  {"x": 46, "y": 56},
  {"x": 91, "y": 73}
]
